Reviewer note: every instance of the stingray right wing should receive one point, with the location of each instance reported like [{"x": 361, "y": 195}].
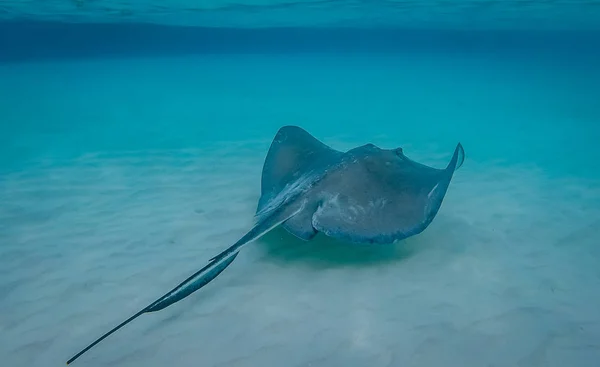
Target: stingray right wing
[{"x": 382, "y": 196}]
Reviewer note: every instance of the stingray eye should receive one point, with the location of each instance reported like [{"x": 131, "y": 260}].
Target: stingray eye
[{"x": 399, "y": 152}]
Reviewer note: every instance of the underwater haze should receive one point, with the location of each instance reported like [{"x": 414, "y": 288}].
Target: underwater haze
[{"x": 132, "y": 139}]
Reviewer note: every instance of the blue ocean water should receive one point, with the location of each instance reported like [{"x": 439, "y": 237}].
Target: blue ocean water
[{"x": 131, "y": 145}]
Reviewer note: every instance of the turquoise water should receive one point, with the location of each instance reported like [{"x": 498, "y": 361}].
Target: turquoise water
[{"x": 120, "y": 176}]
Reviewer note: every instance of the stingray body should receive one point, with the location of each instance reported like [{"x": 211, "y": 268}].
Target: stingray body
[{"x": 364, "y": 195}]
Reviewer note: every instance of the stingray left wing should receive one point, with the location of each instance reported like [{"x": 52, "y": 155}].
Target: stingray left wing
[
  {"x": 295, "y": 161},
  {"x": 293, "y": 155}
]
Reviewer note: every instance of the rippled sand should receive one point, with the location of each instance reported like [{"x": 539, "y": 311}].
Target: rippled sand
[{"x": 506, "y": 275}]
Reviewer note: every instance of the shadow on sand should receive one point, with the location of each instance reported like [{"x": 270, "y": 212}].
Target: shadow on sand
[{"x": 282, "y": 248}]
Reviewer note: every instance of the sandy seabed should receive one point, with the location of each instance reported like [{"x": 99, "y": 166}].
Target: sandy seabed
[
  {"x": 116, "y": 183},
  {"x": 507, "y": 275}
]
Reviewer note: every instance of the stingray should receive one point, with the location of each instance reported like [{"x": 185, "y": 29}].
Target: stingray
[{"x": 364, "y": 195}]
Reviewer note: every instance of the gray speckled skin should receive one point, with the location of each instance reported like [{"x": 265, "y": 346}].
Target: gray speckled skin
[{"x": 367, "y": 194}]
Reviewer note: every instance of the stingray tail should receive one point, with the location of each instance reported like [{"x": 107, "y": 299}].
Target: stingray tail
[
  {"x": 266, "y": 224},
  {"x": 184, "y": 289},
  {"x": 203, "y": 276},
  {"x": 457, "y": 159}
]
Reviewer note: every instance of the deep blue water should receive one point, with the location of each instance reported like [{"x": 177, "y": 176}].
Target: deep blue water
[{"x": 21, "y": 41}]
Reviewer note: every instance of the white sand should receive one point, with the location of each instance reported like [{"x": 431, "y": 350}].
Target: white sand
[{"x": 507, "y": 275}]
